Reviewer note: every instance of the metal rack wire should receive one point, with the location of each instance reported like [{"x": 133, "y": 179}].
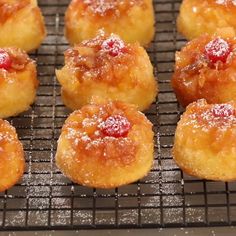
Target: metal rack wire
[{"x": 165, "y": 198}]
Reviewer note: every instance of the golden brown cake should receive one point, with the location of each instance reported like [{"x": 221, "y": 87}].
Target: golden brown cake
[
  {"x": 12, "y": 162},
  {"x": 205, "y": 144},
  {"x": 206, "y": 68},
  {"x": 205, "y": 16},
  {"x": 132, "y": 20},
  {"x": 106, "y": 68},
  {"x": 21, "y": 24},
  {"x": 106, "y": 145},
  {"x": 18, "y": 82}
]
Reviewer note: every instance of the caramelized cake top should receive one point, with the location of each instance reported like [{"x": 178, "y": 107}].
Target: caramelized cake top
[
  {"x": 8, "y": 8},
  {"x": 13, "y": 59},
  {"x": 210, "y": 116},
  {"x": 231, "y": 4},
  {"x": 105, "y": 8},
  {"x": 212, "y": 125},
  {"x": 104, "y": 131},
  {"x": 208, "y": 57},
  {"x": 103, "y": 58}
]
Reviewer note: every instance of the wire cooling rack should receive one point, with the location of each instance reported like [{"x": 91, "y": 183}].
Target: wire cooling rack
[{"x": 45, "y": 199}]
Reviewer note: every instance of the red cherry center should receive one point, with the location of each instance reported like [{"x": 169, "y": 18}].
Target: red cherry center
[
  {"x": 5, "y": 60},
  {"x": 217, "y": 50},
  {"x": 114, "y": 46},
  {"x": 223, "y": 110},
  {"x": 116, "y": 126}
]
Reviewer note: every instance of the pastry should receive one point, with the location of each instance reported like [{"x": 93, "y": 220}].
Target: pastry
[
  {"x": 12, "y": 162},
  {"x": 18, "y": 82},
  {"x": 105, "y": 68},
  {"x": 205, "y": 16},
  {"x": 132, "y": 20},
  {"x": 21, "y": 24},
  {"x": 205, "y": 144},
  {"x": 106, "y": 145},
  {"x": 206, "y": 68}
]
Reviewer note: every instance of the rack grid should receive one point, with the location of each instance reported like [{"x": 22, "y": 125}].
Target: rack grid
[{"x": 46, "y": 200}]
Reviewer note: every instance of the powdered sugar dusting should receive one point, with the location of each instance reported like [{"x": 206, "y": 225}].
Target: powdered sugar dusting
[
  {"x": 220, "y": 116},
  {"x": 100, "y": 6},
  {"x": 78, "y": 136},
  {"x": 98, "y": 58},
  {"x": 225, "y": 2},
  {"x": 95, "y": 131},
  {"x": 5, "y": 60},
  {"x": 113, "y": 45},
  {"x": 217, "y": 50},
  {"x": 115, "y": 126},
  {"x": 6, "y": 136},
  {"x": 7, "y": 132},
  {"x": 103, "y": 7},
  {"x": 97, "y": 142},
  {"x": 223, "y": 110}
]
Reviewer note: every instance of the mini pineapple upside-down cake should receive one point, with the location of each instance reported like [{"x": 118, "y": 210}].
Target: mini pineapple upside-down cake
[
  {"x": 106, "y": 145},
  {"x": 206, "y": 68},
  {"x": 12, "y": 162},
  {"x": 205, "y": 144},
  {"x": 132, "y": 20},
  {"x": 105, "y": 68},
  {"x": 18, "y": 82},
  {"x": 21, "y": 24},
  {"x": 205, "y": 16}
]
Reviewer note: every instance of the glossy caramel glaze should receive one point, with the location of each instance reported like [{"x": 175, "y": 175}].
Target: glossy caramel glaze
[
  {"x": 12, "y": 161},
  {"x": 210, "y": 117},
  {"x": 89, "y": 60},
  {"x": 88, "y": 139},
  {"x": 19, "y": 59},
  {"x": 196, "y": 77},
  {"x": 211, "y": 150},
  {"x": 22, "y": 24},
  {"x": 9, "y": 8},
  {"x": 107, "y": 68},
  {"x": 89, "y": 157},
  {"x": 20, "y": 62},
  {"x": 18, "y": 84},
  {"x": 132, "y": 20},
  {"x": 229, "y": 5},
  {"x": 105, "y": 8},
  {"x": 205, "y": 16}
]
